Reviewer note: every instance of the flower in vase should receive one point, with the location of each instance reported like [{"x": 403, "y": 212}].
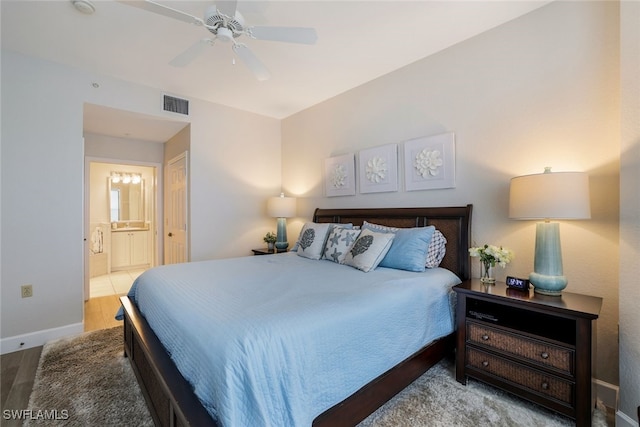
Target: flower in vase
[{"x": 493, "y": 255}]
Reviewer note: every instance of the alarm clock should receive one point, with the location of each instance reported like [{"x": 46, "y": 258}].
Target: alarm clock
[{"x": 517, "y": 283}]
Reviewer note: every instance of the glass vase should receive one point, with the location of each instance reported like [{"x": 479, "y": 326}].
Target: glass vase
[{"x": 487, "y": 273}]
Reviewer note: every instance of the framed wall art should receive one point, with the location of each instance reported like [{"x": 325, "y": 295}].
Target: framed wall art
[
  {"x": 378, "y": 169},
  {"x": 429, "y": 162},
  {"x": 339, "y": 175}
]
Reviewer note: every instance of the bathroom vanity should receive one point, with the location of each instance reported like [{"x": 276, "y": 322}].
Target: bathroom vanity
[{"x": 129, "y": 248}]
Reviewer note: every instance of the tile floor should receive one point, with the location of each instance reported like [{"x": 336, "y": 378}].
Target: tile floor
[{"x": 116, "y": 283}]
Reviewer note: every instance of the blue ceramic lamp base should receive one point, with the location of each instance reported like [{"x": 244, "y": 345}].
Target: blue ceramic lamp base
[
  {"x": 548, "y": 278},
  {"x": 281, "y": 235}
]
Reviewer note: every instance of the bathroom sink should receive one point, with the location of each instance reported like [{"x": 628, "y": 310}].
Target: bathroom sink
[{"x": 131, "y": 229}]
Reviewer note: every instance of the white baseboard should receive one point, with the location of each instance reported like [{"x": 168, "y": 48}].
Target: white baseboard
[
  {"x": 34, "y": 339},
  {"x": 623, "y": 420},
  {"x": 607, "y": 394}
]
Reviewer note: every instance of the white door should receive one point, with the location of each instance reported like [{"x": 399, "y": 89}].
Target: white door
[{"x": 176, "y": 248}]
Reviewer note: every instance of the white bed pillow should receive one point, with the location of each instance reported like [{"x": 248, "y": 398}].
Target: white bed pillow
[
  {"x": 338, "y": 243},
  {"x": 311, "y": 240},
  {"x": 368, "y": 250}
]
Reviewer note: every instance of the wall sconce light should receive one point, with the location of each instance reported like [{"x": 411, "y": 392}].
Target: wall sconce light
[
  {"x": 282, "y": 208},
  {"x": 126, "y": 178},
  {"x": 561, "y": 195}
]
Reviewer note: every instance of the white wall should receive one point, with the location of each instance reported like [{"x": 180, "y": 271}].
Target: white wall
[
  {"x": 235, "y": 167},
  {"x": 539, "y": 91},
  {"x": 630, "y": 216}
]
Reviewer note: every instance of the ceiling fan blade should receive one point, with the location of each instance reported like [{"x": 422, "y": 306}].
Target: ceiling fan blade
[
  {"x": 189, "y": 55},
  {"x": 252, "y": 62},
  {"x": 285, "y": 34},
  {"x": 160, "y": 9},
  {"x": 227, "y": 7}
]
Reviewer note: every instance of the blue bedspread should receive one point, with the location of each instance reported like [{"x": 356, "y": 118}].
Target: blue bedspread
[{"x": 276, "y": 340}]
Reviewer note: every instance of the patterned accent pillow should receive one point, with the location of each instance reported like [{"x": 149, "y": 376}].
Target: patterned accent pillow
[
  {"x": 311, "y": 240},
  {"x": 437, "y": 250},
  {"x": 338, "y": 244},
  {"x": 369, "y": 250},
  {"x": 296, "y": 245}
]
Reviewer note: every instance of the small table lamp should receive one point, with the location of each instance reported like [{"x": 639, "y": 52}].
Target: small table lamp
[
  {"x": 561, "y": 195},
  {"x": 281, "y": 208}
]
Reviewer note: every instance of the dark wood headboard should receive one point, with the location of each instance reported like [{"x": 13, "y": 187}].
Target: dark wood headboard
[{"x": 453, "y": 222}]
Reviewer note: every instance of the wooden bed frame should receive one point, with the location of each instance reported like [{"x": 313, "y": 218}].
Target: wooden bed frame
[{"x": 170, "y": 397}]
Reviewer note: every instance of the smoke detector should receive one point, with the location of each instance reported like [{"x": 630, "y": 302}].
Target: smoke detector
[{"x": 84, "y": 6}]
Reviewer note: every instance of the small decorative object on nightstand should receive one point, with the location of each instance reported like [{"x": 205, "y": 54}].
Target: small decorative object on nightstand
[
  {"x": 538, "y": 347},
  {"x": 270, "y": 240},
  {"x": 490, "y": 256}
]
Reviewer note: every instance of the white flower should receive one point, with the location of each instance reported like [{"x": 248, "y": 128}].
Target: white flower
[
  {"x": 376, "y": 169},
  {"x": 338, "y": 176},
  {"x": 428, "y": 162},
  {"x": 493, "y": 255}
]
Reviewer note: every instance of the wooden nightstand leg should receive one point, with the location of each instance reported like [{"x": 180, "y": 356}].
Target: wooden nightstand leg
[
  {"x": 461, "y": 338},
  {"x": 585, "y": 401}
]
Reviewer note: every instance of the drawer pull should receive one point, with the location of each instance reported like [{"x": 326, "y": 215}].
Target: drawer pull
[
  {"x": 485, "y": 337},
  {"x": 545, "y": 386},
  {"x": 544, "y": 355},
  {"x": 485, "y": 363}
]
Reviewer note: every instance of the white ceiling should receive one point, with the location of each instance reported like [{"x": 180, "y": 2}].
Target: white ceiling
[{"x": 358, "y": 41}]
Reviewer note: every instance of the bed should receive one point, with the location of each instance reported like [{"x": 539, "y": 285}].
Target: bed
[{"x": 174, "y": 400}]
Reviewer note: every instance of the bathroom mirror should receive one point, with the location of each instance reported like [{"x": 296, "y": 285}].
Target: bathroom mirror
[{"x": 126, "y": 201}]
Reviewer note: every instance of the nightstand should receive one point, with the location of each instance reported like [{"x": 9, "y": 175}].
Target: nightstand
[
  {"x": 265, "y": 251},
  {"x": 539, "y": 347}
]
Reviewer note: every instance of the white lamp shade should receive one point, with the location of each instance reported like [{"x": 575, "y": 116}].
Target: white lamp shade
[
  {"x": 550, "y": 195},
  {"x": 281, "y": 207}
]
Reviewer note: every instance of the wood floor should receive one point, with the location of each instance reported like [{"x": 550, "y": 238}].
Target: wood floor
[
  {"x": 99, "y": 313},
  {"x": 18, "y": 369}
]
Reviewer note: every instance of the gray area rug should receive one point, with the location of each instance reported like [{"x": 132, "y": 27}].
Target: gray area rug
[{"x": 86, "y": 381}]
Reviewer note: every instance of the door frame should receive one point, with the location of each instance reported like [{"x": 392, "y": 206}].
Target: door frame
[{"x": 158, "y": 213}]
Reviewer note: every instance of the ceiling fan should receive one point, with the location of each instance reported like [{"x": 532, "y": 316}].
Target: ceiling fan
[{"x": 223, "y": 20}]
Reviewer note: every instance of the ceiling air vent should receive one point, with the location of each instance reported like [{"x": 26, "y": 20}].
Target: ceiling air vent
[{"x": 176, "y": 105}]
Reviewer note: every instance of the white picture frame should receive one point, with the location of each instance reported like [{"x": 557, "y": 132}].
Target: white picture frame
[
  {"x": 378, "y": 169},
  {"x": 429, "y": 162},
  {"x": 339, "y": 175}
]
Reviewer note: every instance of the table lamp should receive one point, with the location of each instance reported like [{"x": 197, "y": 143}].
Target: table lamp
[
  {"x": 282, "y": 208},
  {"x": 546, "y": 196}
]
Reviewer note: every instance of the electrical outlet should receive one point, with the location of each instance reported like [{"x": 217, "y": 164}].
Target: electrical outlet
[{"x": 27, "y": 291}]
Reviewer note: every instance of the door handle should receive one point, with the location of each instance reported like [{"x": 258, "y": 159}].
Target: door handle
[{"x": 170, "y": 234}]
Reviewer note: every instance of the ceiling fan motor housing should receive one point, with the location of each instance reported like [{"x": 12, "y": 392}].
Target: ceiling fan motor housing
[{"x": 224, "y": 27}]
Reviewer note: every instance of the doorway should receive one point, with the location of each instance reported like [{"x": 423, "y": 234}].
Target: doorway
[{"x": 121, "y": 208}]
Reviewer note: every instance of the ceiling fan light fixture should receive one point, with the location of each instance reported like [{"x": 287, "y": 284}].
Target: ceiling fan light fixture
[
  {"x": 84, "y": 6},
  {"x": 225, "y": 34},
  {"x": 226, "y": 23}
]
